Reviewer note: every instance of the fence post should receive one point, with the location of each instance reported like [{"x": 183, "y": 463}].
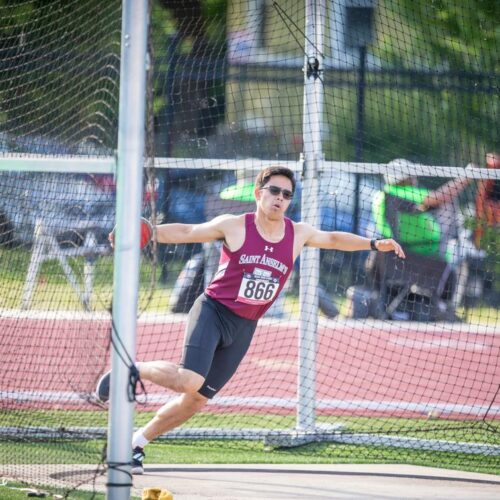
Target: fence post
[
  {"x": 126, "y": 265},
  {"x": 311, "y": 163}
]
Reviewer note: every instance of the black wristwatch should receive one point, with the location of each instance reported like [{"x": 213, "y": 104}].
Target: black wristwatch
[{"x": 372, "y": 244}]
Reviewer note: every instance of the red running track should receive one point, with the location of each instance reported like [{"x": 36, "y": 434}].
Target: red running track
[{"x": 362, "y": 367}]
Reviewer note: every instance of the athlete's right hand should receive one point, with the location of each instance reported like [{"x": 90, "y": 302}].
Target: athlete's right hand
[
  {"x": 111, "y": 238},
  {"x": 145, "y": 236}
]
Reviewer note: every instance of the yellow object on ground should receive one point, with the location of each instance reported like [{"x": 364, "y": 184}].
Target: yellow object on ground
[{"x": 156, "y": 494}]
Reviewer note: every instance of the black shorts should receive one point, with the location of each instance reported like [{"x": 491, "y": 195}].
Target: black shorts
[{"x": 215, "y": 343}]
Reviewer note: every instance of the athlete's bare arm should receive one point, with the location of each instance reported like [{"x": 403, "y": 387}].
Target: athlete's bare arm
[
  {"x": 228, "y": 228},
  {"x": 307, "y": 235}
]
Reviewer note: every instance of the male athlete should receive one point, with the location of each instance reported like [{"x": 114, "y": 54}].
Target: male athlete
[{"x": 257, "y": 257}]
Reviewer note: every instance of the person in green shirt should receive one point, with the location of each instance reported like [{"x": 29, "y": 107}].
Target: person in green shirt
[{"x": 424, "y": 220}]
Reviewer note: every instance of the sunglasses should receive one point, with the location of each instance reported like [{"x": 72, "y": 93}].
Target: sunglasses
[{"x": 275, "y": 191}]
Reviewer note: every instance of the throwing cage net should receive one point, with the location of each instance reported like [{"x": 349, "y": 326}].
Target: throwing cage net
[
  {"x": 59, "y": 87},
  {"x": 388, "y": 360}
]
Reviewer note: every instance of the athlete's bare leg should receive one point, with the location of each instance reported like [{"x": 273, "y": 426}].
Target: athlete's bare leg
[
  {"x": 173, "y": 414},
  {"x": 170, "y": 376},
  {"x": 176, "y": 412}
]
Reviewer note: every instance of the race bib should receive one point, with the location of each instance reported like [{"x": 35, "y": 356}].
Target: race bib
[{"x": 258, "y": 289}]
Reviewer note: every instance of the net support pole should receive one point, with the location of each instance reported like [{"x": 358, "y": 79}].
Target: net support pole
[
  {"x": 130, "y": 157},
  {"x": 311, "y": 164}
]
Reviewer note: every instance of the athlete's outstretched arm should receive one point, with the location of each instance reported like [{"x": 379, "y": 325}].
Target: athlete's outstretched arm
[
  {"x": 348, "y": 242},
  {"x": 194, "y": 233}
]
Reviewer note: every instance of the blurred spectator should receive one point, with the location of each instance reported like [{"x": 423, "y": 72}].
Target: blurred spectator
[
  {"x": 486, "y": 231},
  {"x": 487, "y": 201},
  {"x": 426, "y": 222}
]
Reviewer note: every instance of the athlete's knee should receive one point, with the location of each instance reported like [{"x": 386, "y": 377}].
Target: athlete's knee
[
  {"x": 194, "y": 401},
  {"x": 183, "y": 407},
  {"x": 189, "y": 382}
]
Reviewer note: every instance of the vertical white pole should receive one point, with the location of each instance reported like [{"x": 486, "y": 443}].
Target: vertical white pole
[
  {"x": 126, "y": 265},
  {"x": 311, "y": 163}
]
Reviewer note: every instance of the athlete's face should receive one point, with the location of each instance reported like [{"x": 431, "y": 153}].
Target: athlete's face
[{"x": 275, "y": 196}]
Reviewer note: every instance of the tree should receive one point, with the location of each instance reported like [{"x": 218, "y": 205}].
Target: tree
[
  {"x": 446, "y": 34},
  {"x": 60, "y": 70}
]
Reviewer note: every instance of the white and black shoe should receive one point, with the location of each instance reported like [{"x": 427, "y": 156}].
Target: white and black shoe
[
  {"x": 137, "y": 459},
  {"x": 103, "y": 386}
]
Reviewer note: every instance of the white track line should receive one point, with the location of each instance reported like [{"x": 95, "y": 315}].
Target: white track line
[
  {"x": 269, "y": 402},
  {"x": 365, "y": 324}
]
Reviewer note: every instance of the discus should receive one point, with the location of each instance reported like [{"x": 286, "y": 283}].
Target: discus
[{"x": 146, "y": 234}]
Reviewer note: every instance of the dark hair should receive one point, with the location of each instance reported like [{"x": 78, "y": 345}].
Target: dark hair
[{"x": 264, "y": 175}]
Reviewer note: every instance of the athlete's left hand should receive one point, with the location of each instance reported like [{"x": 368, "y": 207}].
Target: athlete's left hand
[{"x": 389, "y": 245}]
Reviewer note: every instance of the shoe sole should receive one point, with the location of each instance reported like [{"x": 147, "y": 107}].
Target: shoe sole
[{"x": 102, "y": 389}]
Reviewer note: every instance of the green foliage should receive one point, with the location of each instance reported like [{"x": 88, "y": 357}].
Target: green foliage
[
  {"x": 215, "y": 13},
  {"x": 441, "y": 33},
  {"x": 60, "y": 69},
  {"x": 211, "y": 24},
  {"x": 448, "y": 120},
  {"x": 60, "y": 73},
  {"x": 427, "y": 126}
]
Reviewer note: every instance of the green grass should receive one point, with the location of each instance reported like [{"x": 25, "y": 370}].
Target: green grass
[
  {"x": 53, "y": 292},
  {"x": 13, "y": 490},
  {"x": 18, "y": 491},
  {"x": 213, "y": 451},
  {"x": 222, "y": 452},
  {"x": 238, "y": 451},
  {"x": 435, "y": 428}
]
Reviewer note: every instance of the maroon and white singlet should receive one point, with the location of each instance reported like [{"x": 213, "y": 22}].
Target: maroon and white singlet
[{"x": 249, "y": 280}]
